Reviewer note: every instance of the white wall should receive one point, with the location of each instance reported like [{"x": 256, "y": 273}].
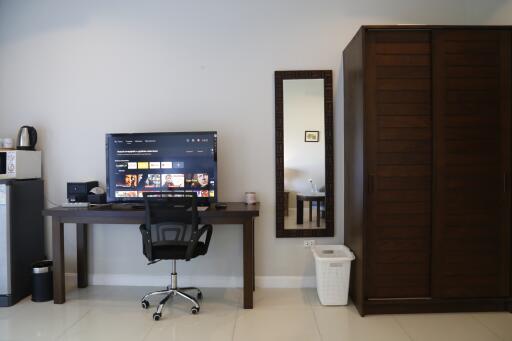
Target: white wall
[
  {"x": 303, "y": 109},
  {"x": 79, "y": 69}
]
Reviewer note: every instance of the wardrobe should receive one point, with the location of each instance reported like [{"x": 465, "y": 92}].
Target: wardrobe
[{"x": 427, "y": 127}]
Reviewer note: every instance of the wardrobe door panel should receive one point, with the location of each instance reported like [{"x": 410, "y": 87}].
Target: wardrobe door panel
[
  {"x": 471, "y": 230},
  {"x": 399, "y": 163}
]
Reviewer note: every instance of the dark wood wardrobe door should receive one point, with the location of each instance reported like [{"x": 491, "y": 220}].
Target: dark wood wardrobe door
[
  {"x": 399, "y": 161},
  {"x": 471, "y": 230}
]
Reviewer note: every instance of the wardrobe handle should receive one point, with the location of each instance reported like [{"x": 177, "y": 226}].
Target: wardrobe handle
[{"x": 371, "y": 183}]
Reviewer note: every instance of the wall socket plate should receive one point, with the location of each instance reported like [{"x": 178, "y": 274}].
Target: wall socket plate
[{"x": 309, "y": 243}]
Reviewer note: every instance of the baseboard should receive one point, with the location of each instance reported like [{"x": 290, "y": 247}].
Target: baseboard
[{"x": 201, "y": 281}]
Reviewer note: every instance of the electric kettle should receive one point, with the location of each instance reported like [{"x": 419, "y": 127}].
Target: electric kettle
[{"x": 27, "y": 138}]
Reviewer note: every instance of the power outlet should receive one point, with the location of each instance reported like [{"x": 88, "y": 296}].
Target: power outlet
[{"x": 309, "y": 243}]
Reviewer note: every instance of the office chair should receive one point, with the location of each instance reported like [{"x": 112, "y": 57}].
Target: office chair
[{"x": 172, "y": 232}]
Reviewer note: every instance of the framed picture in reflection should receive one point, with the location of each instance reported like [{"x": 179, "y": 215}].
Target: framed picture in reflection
[{"x": 311, "y": 136}]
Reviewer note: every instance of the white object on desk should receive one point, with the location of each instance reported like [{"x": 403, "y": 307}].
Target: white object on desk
[
  {"x": 75, "y": 204},
  {"x": 250, "y": 198},
  {"x": 7, "y": 143}
]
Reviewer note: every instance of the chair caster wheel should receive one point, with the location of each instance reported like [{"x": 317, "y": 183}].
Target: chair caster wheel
[
  {"x": 145, "y": 304},
  {"x": 195, "y": 310},
  {"x": 199, "y": 295},
  {"x": 157, "y": 316}
]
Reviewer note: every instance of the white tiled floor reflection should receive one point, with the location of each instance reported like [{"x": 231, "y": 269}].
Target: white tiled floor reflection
[{"x": 114, "y": 313}]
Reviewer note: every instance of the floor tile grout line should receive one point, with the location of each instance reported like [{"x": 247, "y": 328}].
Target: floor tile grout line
[
  {"x": 402, "y": 328},
  {"x": 149, "y": 331},
  {"x": 316, "y": 321},
  {"x": 486, "y": 327},
  {"x": 234, "y": 325},
  {"x": 74, "y": 324}
]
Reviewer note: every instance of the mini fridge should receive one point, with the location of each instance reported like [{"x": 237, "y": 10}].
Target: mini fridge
[{"x": 21, "y": 236}]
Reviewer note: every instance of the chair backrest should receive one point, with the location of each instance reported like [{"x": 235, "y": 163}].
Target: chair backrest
[{"x": 171, "y": 216}]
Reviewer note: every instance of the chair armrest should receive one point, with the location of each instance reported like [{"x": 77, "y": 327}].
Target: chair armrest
[
  {"x": 146, "y": 241},
  {"x": 195, "y": 239}
]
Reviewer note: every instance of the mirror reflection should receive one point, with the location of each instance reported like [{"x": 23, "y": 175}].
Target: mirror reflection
[{"x": 304, "y": 154}]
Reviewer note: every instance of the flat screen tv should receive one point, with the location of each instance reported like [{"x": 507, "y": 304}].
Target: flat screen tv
[{"x": 160, "y": 162}]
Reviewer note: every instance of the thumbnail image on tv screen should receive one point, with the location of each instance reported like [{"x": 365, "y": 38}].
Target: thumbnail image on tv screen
[{"x": 156, "y": 162}]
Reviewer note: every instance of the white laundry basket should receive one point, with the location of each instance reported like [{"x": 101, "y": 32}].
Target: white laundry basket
[{"x": 332, "y": 264}]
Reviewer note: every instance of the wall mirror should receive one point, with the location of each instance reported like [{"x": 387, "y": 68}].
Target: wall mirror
[{"x": 304, "y": 154}]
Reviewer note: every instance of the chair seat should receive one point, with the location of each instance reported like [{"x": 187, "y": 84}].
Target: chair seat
[{"x": 177, "y": 251}]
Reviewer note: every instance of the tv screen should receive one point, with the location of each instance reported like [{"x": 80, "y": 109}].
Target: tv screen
[{"x": 156, "y": 162}]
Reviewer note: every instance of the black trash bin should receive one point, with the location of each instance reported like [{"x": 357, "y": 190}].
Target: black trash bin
[{"x": 42, "y": 281}]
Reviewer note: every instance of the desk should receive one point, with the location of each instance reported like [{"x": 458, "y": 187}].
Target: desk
[
  {"x": 236, "y": 213},
  {"x": 301, "y": 197}
]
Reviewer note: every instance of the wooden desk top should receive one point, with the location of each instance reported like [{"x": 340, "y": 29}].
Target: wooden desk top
[
  {"x": 311, "y": 196},
  {"x": 233, "y": 214}
]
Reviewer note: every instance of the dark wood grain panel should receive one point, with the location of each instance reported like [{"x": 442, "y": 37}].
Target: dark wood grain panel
[
  {"x": 413, "y": 109},
  {"x": 405, "y": 134},
  {"x": 421, "y": 146},
  {"x": 479, "y": 97},
  {"x": 400, "y": 157},
  {"x": 403, "y": 48},
  {"x": 470, "y": 133},
  {"x": 463, "y": 198},
  {"x": 403, "y": 220},
  {"x": 475, "y": 72},
  {"x": 471, "y": 159},
  {"x": 471, "y": 46},
  {"x": 472, "y": 83},
  {"x": 394, "y": 72},
  {"x": 471, "y": 288},
  {"x": 471, "y": 108},
  {"x": 404, "y": 158},
  {"x": 472, "y": 145},
  {"x": 403, "y": 232},
  {"x": 400, "y": 183},
  {"x": 464, "y": 184},
  {"x": 394, "y": 208},
  {"x": 472, "y": 121},
  {"x": 410, "y": 121},
  {"x": 473, "y": 232},
  {"x": 398, "y": 281},
  {"x": 476, "y": 36},
  {"x": 409, "y": 196},
  {"x": 470, "y": 219},
  {"x": 403, "y": 84},
  {"x": 403, "y": 257},
  {"x": 392, "y": 36},
  {"x": 405, "y": 96},
  {"x": 400, "y": 269},
  {"x": 408, "y": 291},
  {"x": 406, "y": 60},
  {"x": 404, "y": 170},
  {"x": 401, "y": 245},
  {"x": 354, "y": 169},
  {"x": 461, "y": 59}
]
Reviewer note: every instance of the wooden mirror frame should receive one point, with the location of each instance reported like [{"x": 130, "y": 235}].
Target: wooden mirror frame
[{"x": 279, "y": 77}]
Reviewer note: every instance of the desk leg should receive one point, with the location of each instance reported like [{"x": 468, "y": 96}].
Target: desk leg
[
  {"x": 318, "y": 213},
  {"x": 300, "y": 212},
  {"x": 310, "y": 210},
  {"x": 253, "y": 259},
  {"x": 59, "y": 289},
  {"x": 81, "y": 255},
  {"x": 248, "y": 262}
]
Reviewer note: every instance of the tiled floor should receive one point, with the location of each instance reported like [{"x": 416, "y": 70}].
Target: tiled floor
[{"x": 113, "y": 313}]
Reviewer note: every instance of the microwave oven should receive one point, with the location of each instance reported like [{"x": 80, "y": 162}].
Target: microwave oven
[{"x": 20, "y": 164}]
